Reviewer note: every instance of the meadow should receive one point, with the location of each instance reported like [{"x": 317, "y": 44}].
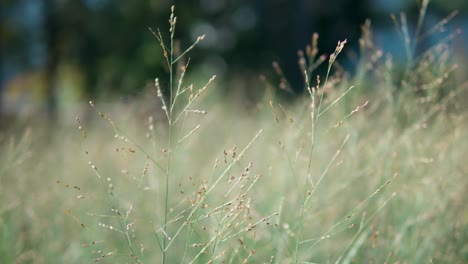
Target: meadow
[{"x": 364, "y": 168}]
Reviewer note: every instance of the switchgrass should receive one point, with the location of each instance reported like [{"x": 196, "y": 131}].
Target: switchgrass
[{"x": 343, "y": 175}]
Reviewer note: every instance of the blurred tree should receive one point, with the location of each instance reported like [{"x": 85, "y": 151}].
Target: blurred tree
[
  {"x": 7, "y": 40},
  {"x": 52, "y": 35},
  {"x": 108, "y": 43}
]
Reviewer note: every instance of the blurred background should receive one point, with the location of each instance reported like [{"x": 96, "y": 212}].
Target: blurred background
[
  {"x": 54, "y": 53},
  {"x": 57, "y": 55}
]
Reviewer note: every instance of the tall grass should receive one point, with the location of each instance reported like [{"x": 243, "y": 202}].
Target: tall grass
[{"x": 344, "y": 175}]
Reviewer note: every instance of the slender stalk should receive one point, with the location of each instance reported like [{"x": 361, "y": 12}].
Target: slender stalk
[
  {"x": 172, "y": 22},
  {"x": 312, "y": 145},
  {"x": 422, "y": 15},
  {"x": 315, "y": 115}
]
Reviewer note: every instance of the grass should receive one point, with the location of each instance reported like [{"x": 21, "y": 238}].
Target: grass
[{"x": 345, "y": 174}]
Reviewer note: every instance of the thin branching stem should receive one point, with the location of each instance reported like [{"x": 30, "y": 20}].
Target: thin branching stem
[
  {"x": 315, "y": 115},
  {"x": 172, "y": 22}
]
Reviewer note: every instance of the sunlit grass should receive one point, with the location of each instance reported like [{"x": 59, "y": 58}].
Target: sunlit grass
[{"x": 419, "y": 216}]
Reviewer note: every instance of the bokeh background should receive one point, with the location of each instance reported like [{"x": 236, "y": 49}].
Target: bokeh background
[
  {"x": 54, "y": 53},
  {"x": 389, "y": 156}
]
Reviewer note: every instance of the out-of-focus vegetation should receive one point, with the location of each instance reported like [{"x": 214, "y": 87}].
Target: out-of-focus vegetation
[
  {"x": 365, "y": 167},
  {"x": 55, "y": 53}
]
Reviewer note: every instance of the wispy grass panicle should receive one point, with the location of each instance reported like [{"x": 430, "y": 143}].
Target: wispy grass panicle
[
  {"x": 429, "y": 64},
  {"x": 316, "y": 108},
  {"x": 173, "y": 113}
]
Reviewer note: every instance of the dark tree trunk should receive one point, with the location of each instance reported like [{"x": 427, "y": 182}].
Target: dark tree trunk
[
  {"x": 52, "y": 33},
  {"x": 2, "y": 82},
  {"x": 2, "y": 77}
]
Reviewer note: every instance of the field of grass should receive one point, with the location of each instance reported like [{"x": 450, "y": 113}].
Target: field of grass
[{"x": 364, "y": 169}]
